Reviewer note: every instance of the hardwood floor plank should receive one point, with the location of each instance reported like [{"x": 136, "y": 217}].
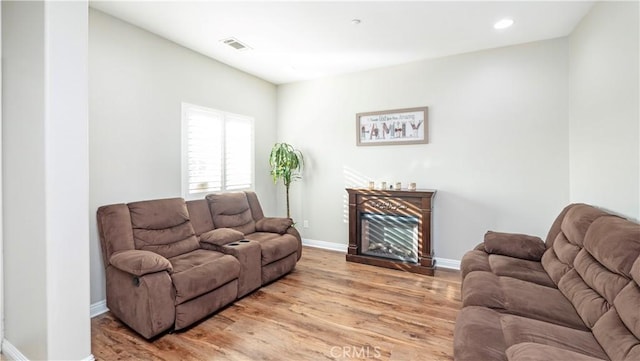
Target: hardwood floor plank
[{"x": 326, "y": 309}]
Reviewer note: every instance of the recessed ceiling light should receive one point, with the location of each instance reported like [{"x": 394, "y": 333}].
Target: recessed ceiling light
[
  {"x": 503, "y": 24},
  {"x": 355, "y": 21}
]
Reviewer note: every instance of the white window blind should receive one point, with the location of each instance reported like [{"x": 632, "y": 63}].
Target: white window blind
[
  {"x": 238, "y": 170},
  {"x": 217, "y": 151}
]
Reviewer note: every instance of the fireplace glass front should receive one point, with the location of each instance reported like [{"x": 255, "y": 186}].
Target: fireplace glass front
[{"x": 389, "y": 236}]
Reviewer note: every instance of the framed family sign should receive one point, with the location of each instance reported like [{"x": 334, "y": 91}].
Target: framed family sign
[{"x": 387, "y": 127}]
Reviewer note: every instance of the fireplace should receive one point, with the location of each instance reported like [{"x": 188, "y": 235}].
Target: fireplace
[
  {"x": 389, "y": 236},
  {"x": 391, "y": 228}
]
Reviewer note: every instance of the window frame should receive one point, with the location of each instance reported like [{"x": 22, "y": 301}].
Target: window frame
[{"x": 185, "y": 108}]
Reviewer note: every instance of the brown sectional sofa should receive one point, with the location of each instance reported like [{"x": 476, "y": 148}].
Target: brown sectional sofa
[
  {"x": 169, "y": 263},
  {"x": 575, "y": 296}
]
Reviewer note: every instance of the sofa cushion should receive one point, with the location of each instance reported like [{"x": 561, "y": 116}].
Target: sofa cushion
[
  {"x": 274, "y": 246},
  {"x": 557, "y": 224},
  {"x": 635, "y": 271},
  {"x": 518, "y": 329},
  {"x": 615, "y": 243},
  {"x": 560, "y": 254},
  {"x": 565, "y": 250},
  {"x": 514, "y": 245},
  {"x": 615, "y": 338},
  {"x": 200, "y": 216},
  {"x": 618, "y": 330},
  {"x": 221, "y": 236},
  {"x": 198, "y": 272},
  {"x": 478, "y": 335},
  {"x": 140, "y": 263},
  {"x": 554, "y": 267},
  {"x": 474, "y": 260},
  {"x": 510, "y": 295},
  {"x": 530, "y": 271},
  {"x": 254, "y": 204},
  {"x": 628, "y": 309},
  {"x": 484, "y": 334},
  {"x": 231, "y": 210},
  {"x": 273, "y": 224},
  {"x": 162, "y": 226},
  {"x": 602, "y": 269},
  {"x": 577, "y": 221},
  {"x": 529, "y": 351},
  {"x": 158, "y": 213}
]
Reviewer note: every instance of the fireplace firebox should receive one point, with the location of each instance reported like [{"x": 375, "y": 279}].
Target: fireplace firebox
[
  {"x": 389, "y": 236},
  {"x": 391, "y": 228}
]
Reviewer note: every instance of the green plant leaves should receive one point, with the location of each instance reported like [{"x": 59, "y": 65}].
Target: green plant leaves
[{"x": 286, "y": 163}]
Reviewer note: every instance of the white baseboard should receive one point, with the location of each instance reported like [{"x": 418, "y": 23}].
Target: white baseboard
[
  {"x": 440, "y": 262},
  {"x": 10, "y": 352},
  {"x": 98, "y": 308},
  {"x": 447, "y": 263},
  {"x": 325, "y": 245}
]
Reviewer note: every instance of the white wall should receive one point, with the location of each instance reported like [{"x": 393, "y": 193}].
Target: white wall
[
  {"x": 497, "y": 151},
  {"x": 1, "y": 217},
  {"x": 604, "y": 115},
  {"x": 137, "y": 82},
  {"x": 24, "y": 178},
  {"x": 67, "y": 184},
  {"x": 45, "y": 180}
]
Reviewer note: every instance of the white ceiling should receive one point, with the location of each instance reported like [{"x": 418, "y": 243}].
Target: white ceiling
[{"x": 301, "y": 40}]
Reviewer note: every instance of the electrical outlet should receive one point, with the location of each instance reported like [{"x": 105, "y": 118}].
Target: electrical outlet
[{"x": 305, "y": 224}]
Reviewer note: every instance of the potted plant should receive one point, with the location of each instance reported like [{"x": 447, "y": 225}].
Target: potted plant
[{"x": 286, "y": 163}]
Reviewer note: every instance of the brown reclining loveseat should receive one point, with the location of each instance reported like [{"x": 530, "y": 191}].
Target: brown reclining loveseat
[
  {"x": 574, "y": 297},
  {"x": 169, "y": 263}
]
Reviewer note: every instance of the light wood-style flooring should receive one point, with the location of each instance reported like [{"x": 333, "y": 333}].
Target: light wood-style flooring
[{"x": 326, "y": 309}]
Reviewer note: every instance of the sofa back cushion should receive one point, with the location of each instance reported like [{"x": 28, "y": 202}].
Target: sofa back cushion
[
  {"x": 558, "y": 259},
  {"x": 200, "y": 216},
  {"x": 254, "y": 204},
  {"x": 163, "y": 226},
  {"x": 618, "y": 331},
  {"x": 231, "y": 210},
  {"x": 555, "y": 227},
  {"x": 602, "y": 268}
]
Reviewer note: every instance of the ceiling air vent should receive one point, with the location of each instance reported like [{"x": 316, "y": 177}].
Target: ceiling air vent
[{"x": 235, "y": 43}]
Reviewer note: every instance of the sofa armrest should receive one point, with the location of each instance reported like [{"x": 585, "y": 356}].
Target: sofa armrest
[
  {"x": 140, "y": 263},
  {"x": 274, "y": 225},
  {"x": 529, "y": 351},
  {"x": 514, "y": 245},
  {"x": 221, "y": 236}
]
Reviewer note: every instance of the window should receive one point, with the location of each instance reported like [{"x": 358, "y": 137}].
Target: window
[{"x": 217, "y": 151}]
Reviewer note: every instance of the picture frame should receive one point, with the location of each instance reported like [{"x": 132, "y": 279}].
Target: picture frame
[{"x": 392, "y": 127}]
